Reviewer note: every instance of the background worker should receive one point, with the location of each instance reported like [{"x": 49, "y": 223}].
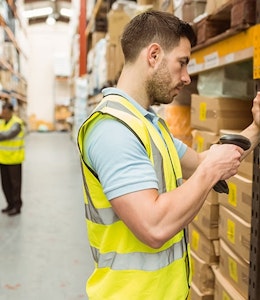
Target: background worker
[
  {"x": 12, "y": 155},
  {"x": 137, "y": 207}
]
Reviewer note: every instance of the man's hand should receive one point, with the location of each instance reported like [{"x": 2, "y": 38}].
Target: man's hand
[
  {"x": 224, "y": 160},
  {"x": 256, "y": 110}
]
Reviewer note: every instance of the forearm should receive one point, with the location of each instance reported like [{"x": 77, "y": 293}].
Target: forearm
[
  {"x": 191, "y": 161},
  {"x": 252, "y": 132},
  {"x": 155, "y": 218},
  {"x": 11, "y": 133},
  {"x": 184, "y": 203}
]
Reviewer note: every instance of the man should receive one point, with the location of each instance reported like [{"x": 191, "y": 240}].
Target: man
[
  {"x": 11, "y": 157},
  {"x": 137, "y": 207}
]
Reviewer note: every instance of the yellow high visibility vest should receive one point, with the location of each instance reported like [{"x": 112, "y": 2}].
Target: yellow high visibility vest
[
  {"x": 12, "y": 151},
  {"x": 126, "y": 268}
]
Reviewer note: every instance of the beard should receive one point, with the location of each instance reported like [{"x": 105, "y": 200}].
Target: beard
[{"x": 159, "y": 87}]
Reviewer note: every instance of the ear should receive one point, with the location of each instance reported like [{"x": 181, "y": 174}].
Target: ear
[{"x": 154, "y": 54}]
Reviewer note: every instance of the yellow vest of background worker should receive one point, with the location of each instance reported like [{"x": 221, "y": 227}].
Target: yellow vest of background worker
[
  {"x": 126, "y": 268},
  {"x": 12, "y": 150}
]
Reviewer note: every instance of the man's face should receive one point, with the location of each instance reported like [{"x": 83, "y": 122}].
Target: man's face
[
  {"x": 6, "y": 114},
  {"x": 171, "y": 75}
]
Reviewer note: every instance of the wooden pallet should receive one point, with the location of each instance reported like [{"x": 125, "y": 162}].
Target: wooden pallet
[{"x": 235, "y": 15}]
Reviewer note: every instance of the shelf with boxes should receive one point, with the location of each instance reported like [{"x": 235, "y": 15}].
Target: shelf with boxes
[
  {"x": 213, "y": 113},
  {"x": 13, "y": 82}
]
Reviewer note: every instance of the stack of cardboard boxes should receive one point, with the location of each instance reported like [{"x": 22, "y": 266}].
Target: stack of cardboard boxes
[{"x": 220, "y": 233}]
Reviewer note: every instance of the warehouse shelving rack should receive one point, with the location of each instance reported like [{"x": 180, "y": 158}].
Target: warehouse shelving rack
[
  {"x": 232, "y": 47},
  {"x": 6, "y": 65}
]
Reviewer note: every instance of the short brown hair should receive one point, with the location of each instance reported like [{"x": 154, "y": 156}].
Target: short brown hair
[{"x": 154, "y": 26}]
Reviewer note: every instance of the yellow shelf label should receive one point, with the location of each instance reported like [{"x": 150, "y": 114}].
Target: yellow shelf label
[
  {"x": 231, "y": 230},
  {"x": 232, "y": 196}
]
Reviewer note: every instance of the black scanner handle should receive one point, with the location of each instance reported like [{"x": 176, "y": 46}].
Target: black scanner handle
[{"x": 235, "y": 139}]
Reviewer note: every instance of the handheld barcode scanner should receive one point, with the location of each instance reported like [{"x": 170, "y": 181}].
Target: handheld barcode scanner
[{"x": 235, "y": 139}]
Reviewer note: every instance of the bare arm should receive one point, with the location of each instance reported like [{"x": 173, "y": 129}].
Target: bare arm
[
  {"x": 154, "y": 218},
  {"x": 252, "y": 132}
]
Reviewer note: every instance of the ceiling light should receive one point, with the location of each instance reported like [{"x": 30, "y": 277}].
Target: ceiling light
[
  {"x": 66, "y": 12},
  {"x": 38, "y": 12},
  {"x": 51, "y": 20}
]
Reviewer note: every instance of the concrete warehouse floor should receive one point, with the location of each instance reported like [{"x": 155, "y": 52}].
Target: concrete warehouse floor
[{"x": 44, "y": 251}]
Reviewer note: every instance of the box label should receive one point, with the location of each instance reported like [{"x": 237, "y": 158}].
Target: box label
[
  {"x": 203, "y": 111},
  {"x": 195, "y": 240},
  {"x": 231, "y": 227},
  {"x": 232, "y": 196},
  {"x": 225, "y": 296},
  {"x": 200, "y": 144},
  {"x": 232, "y": 267}
]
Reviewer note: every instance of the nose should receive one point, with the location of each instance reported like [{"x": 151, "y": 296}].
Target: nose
[{"x": 185, "y": 78}]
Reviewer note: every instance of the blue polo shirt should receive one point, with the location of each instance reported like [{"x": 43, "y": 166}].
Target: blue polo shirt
[{"x": 118, "y": 157}]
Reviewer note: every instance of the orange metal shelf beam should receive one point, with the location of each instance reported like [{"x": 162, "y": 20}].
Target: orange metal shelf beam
[{"x": 82, "y": 39}]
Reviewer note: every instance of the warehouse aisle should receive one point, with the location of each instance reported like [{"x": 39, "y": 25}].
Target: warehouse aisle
[{"x": 44, "y": 252}]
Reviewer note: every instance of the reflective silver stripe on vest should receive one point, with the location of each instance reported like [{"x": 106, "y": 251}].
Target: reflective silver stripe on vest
[
  {"x": 105, "y": 216},
  {"x": 11, "y": 148},
  {"x": 141, "y": 261}
]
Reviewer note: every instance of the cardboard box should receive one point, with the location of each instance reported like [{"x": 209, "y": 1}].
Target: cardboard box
[
  {"x": 202, "y": 274},
  {"x": 239, "y": 199},
  {"x": 235, "y": 232},
  {"x": 243, "y": 13},
  {"x": 213, "y": 114},
  {"x": 202, "y": 140},
  {"x": 234, "y": 269},
  {"x": 117, "y": 17},
  {"x": 207, "y": 220},
  {"x": 114, "y": 60},
  {"x": 214, "y": 5},
  {"x": 191, "y": 9},
  {"x": 206, "y": 249},
  {"x": 209, "y": 28},
  {"x": 196, "y": 294},
  {"x": 223, "y": 289},
  {"x": 212, "y": 197}
]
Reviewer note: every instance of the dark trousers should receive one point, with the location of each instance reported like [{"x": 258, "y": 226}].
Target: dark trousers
[{"x": 11, "y": 178}]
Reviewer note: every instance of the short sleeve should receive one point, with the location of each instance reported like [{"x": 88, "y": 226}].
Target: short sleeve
[
  {"x": 180, "y": 147},
  {"x": 119, "y": 159}
]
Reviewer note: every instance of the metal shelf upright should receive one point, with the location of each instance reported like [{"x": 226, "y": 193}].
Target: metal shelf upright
[{"x": 254, "y": 272}]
